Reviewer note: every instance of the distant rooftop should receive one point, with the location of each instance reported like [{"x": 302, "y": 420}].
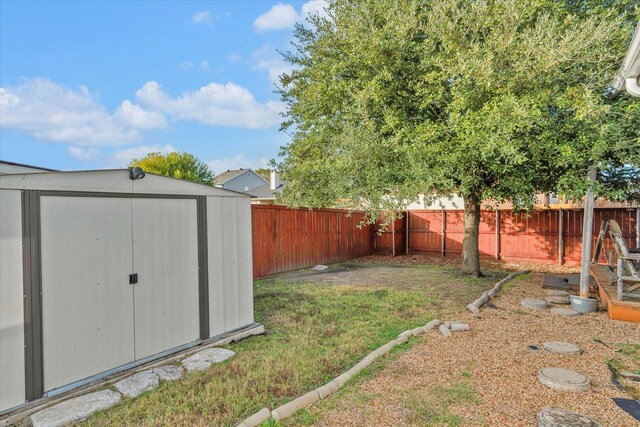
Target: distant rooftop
[
  {"x": 265, "y": 191},
  {"x": 229, "y": 174}
]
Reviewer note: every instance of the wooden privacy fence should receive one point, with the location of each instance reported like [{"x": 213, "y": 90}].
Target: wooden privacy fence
[
  {"x": 290, "y": 239},
  {"x": 541, "y": 235}
]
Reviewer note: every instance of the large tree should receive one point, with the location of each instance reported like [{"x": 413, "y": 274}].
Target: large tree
[
  {"x": 177, "y": 165},
  {"x": 491, "y": 100}
]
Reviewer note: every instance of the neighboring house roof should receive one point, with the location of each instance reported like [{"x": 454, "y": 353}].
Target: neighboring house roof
[
  {"x": 265, "y": 191},
  {"x": 230, "y": 174},
  {"x": 629, "y": 74}
]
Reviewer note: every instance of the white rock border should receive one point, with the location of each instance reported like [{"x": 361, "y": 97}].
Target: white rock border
[
  {"x": 322, "y": 392},
  {"x": 474, "y": 307},
  {"x": 20, "y": 414}
]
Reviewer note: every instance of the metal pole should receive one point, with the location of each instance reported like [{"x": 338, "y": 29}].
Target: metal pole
[
  {"x": 497, "y": 234},
  {"x": 444, "y": 218},
  {"x": 587, "y": 231},
  {"x": 560, "y": 237}
]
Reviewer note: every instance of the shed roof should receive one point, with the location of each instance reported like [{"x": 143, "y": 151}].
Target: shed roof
[
  {"x": 23, "y": 165},
  {"x": 110, "y": 181}
]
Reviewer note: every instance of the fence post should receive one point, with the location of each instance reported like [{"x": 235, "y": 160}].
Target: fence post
[
  {"x": 560, "y": 237},
  {"x": 444, "y": 230},
  {"x": 406, "y": 236},
  {"x": 497, "y": 234},
  {"x": 637, "y": 228},
  {"x": 393, "y": 237}
]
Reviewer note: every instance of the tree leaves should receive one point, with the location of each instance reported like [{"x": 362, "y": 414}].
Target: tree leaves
[{"x": 501, "y": 99}]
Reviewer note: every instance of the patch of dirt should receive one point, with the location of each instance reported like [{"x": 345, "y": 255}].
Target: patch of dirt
[
  {"x": 493, "y": 360},
  {"x": 456, "y": 261}
]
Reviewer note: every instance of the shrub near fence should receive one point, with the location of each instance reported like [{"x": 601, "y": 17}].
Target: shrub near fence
[
  {"x": 541, "y": 235},
  {"x": 290, "y": 239}
]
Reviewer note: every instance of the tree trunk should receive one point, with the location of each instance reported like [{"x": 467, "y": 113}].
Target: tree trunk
[{"x": 470, "y": 251}]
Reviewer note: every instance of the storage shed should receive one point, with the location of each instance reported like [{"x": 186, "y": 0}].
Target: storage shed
[{"x": 101, "y": 271}]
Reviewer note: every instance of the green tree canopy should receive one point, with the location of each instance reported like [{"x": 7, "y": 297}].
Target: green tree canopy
[
  {"x": 177, "y": 165},
  {"x": 491, "y": 100}
]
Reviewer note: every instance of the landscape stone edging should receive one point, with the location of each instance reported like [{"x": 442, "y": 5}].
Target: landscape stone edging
[
  {"x": 474, "y": 307},
  {"x": 324, "y": 391},
  {"x": 14, "y": 417}
]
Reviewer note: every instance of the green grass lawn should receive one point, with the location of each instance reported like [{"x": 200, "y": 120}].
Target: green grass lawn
[{"x": 315, "y": 331}]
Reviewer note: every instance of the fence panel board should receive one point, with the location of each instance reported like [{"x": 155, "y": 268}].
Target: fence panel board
[
  {"x": 290, "y": 239},
  {"x": 521, "y": 236}
]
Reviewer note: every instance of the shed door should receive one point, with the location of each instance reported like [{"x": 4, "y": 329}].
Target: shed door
[
  {"x": 165, "y": 253},
  {"x": 87, "y": 302}
]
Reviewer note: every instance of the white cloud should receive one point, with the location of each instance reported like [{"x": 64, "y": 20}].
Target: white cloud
[
  {"x": 239, "y": 161},
  {"x": 134, "y": 116},
  {"x": 234, "y": 57},
  {"x": 267, "y": 58},
  {"x": 204, "y": 65},
  {"x": 48, "y": 111},
  {"x": 314, "y": 6},
  {"x": 283, "y": 16},
  {"x": 214, "y": 104},
  {"x": 203, "y": 17},
  {"x": 84, "y": 154},
  {"x": 186, "y": 65},
  {"x": 279, "y": 17},
  {"x": 124, "y": 157}
]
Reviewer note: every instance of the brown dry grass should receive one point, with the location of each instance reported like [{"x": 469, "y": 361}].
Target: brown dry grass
[
  {"x": 455, "y": 260},
  {"x": 488, "y": 376}
]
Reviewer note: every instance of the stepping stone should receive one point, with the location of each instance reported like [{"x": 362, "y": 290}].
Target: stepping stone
[
  {"x": 168, "y": 372},
  {"x": 536, "y": 304},
  {"x": 203, "y": 359},
  {"x": 557, "y": 293},
  {"x": 563, "y": 379},
  {"x": 565, "y": 312},
  {"x": 137, "y": 384},
  {"x": 459, "y": 327},
  {"x": 444, "y": 331},
  {"x": 558, "y": 417},
  {"x": 562, "y": 347},
  {"x": 558, "y": 299},
  {"x": 76, "y": 409}
]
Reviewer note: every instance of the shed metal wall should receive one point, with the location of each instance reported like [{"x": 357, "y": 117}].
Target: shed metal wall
[
  {"x": 165, "y": 256},
  {"x": 229, "y": 251},
  {"x": 86, "y": 297},
  {"x": 12, "y": 385},
  {"x": 92, "y": 228}
]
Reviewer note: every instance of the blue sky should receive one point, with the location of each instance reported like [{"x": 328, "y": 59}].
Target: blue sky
[{"x": 88, "y": 85}]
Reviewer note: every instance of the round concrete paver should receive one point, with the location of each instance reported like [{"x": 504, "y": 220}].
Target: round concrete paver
[
  {"x": 536, "y": 304},
  {"x": 554, "y": 299},
  {"x": 563, "y": 379},
  {"x": 562, "y": 347},
  {"x": 557, "y": 417},
  {"x": 565, "y": 312},
  {"x": 557, "y": 293}
]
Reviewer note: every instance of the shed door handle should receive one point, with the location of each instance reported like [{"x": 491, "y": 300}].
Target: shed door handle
[{"x": 133, "y": 278}]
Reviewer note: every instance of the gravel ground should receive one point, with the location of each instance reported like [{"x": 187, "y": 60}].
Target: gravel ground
[{"x": 493, "y": 360}]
